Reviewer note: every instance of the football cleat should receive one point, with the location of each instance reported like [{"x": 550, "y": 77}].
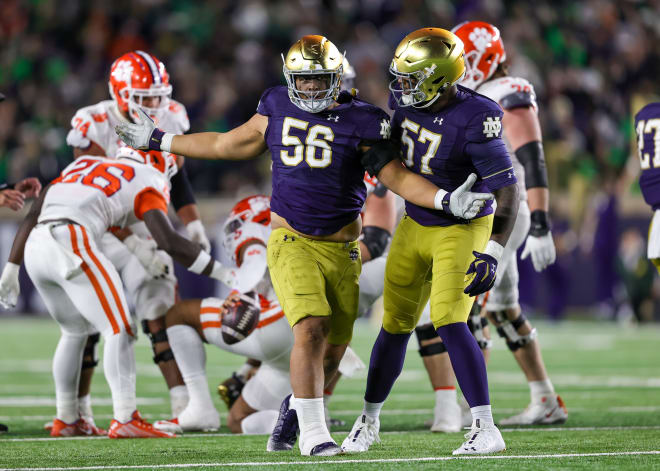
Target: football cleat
[
  {"x": 362, "y": 436},
  {"x": 482, "y": 439},
  {"x": 326, "y": 449},
  {"x": 137, "y": 427},
  {"x": 285, "y": 433},
  {"x": 548, "y": 411},
  {"x": 86, "y": 426},
  {"x": 447, "y": 418},
  {"x": 189, "y": 419},
  {"x": 4, "y": 428},
  {"x": 171, "y": 425},
  {"x": 230, "y": 389}
]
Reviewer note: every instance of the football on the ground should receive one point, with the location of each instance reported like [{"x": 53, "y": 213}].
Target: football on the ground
[{"x": 241, "y": 316}]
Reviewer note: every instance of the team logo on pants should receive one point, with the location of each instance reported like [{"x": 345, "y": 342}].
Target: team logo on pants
[{"x": 354, "y": 254}]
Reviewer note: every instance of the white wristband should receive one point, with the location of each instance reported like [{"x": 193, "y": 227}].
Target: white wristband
[
  {"x": 166, "y": 141},
  {"x": 200, "y": 263},
  {"x": 439, "y": 196},
  {"x": 495, "y": 250}
]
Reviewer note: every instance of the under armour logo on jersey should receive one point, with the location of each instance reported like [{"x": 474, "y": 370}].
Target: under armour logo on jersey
[
  {"x": 492, "y": 126},
  {"x": 385, "y": 129},
  {"x": 333, "y": 117},
  {"x": 438, "y": 121}
]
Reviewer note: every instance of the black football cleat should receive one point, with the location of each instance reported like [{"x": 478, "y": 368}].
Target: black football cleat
[
  {"x": 230, "y": 389},
  {"x": 4, "y": 428},
  {"x": 326, "y": 449},
  {"x": 285, "y": 433}
]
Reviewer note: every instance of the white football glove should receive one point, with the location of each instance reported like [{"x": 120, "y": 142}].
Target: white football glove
[
  {"x": 155, "y": 262},
  {"x": 542, "y": 250},
  {"x": 223, "y": 274},
  {"x": 137, "y": 135},
  {"x": 197, "y": 234},
  {"x": 465, "y": 204},
  {"x": 10, "y": 288}
]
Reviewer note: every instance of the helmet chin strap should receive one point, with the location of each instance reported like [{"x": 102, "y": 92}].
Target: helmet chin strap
[{"x": 428, "y": 103}]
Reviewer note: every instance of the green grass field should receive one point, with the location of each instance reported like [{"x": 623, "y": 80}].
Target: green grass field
[{"x": 609, "y": 377}]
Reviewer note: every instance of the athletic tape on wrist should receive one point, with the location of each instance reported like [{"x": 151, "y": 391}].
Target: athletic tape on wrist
[
  {"x": 494, "y": 249},
  {"x": 200, "y": 263},
  {"x": 166, "y": 142}
]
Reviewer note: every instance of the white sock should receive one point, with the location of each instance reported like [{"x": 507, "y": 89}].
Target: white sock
[
  {"x": 311, "y": 419},
  {"x": 483, "y": 414},
  {"x": 85, "y": 406},
  {"x": 540, "y": 389},
  {"x": 260, "y": 423},
  {"x": 445, "y": 396},
  {"x": 66, "y": 374},
  {"x": 119, "y": 369},
  {"x": 190, "y": 356},
  {"x": 178, "y": 399},
  {"x": 372, "y": 409},
  {"x": 244, "y": 370}
]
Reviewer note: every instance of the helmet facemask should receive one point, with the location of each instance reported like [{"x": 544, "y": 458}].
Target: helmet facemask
[
  {"x": 313, "y": 101},
  {"x": 407, "y": 87},
  {"x": 136, "y": 99}
]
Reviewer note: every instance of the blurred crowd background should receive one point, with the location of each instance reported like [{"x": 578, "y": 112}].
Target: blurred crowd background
[{"x": 593, "y": 64}]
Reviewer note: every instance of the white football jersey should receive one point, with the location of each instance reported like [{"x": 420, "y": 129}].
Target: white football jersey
[
  {"x": 511, "y": 92},
  {"x": 100, "y": 193},
  {"x": 97, "y": 123}
]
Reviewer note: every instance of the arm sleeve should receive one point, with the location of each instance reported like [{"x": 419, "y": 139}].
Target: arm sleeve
[
  {"x": 148, "y": 199},
  {"x": 181, "y": 194}
]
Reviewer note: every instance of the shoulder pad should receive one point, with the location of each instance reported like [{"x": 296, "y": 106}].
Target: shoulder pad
[
  {"x": 87, "y": 126},
  {"x": 510, "y": 92},
  {"x": 177, "y": 118}
]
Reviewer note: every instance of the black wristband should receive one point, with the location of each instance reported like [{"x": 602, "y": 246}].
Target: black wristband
[
  {"x": 540, "y": 223},
  {"x": 155, "y": 139},
  {"x": 6, "y": 186},
  {"x": 445, "y": 202}
]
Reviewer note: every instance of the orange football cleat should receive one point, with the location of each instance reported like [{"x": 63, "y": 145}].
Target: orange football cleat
[
  {"x": 137, "y": 427},
  {"x": 62, "y": 429}
]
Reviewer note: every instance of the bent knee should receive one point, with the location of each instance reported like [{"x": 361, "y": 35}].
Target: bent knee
[
  {"x": 183, "y": 312},
  {"x": 312, "y": 330}
]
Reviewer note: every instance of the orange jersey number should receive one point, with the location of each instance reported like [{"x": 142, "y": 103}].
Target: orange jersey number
[{"x": 99, "y": 176}]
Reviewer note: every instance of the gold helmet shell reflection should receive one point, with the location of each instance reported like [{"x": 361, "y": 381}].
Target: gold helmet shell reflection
[
  {"x": 426, "y": 63},
  {"x": 313, "y": 55}
]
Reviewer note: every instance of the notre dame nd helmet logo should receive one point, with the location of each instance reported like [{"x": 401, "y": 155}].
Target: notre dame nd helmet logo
[{"x": 492, "y": 126}]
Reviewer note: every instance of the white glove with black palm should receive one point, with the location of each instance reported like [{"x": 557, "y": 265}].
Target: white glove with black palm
[
  {"x": 156, "y": 262},
  {"x": 138, "y": 135},
  {"x": 461, "y": 202}
]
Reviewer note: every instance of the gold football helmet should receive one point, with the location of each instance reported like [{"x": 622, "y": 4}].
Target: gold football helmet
[
  {"x": 426, "y": 63},
  {"x": 313, "y": 55}
]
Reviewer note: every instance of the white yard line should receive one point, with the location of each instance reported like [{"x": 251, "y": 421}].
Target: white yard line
[
  {"x": 393, "y": 432},
  {"x": 346, "y": 461}
]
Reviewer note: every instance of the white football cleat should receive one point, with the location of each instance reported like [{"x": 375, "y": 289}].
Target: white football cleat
[
  {"x": 447, "y": 418},
  {"x": 481, "y": 440},
  {"x": 171, "y": 426},
  {"x": 362, "y": 436},
  {"x": 549, "y": 411},
  {"x": 188, "y": 420}
]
